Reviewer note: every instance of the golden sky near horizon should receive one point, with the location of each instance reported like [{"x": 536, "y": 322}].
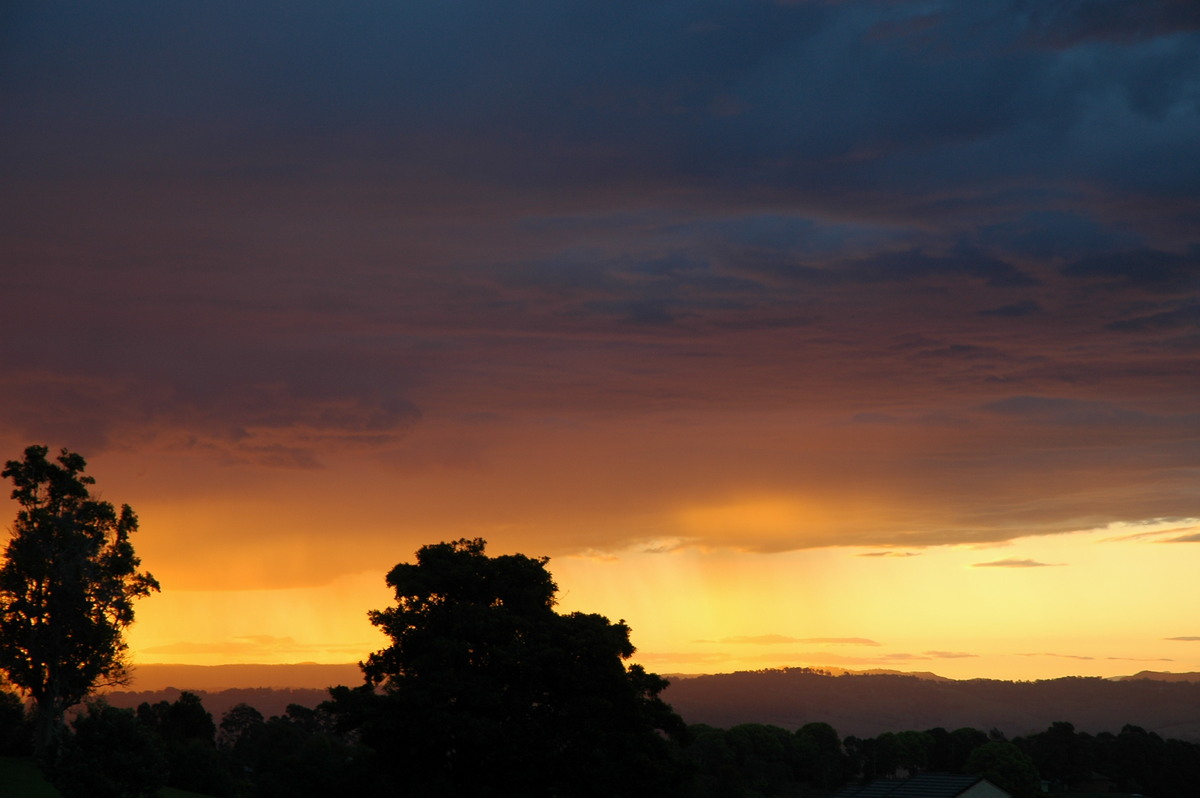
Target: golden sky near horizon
[
  {"x": 895, "y": 368},
  {"x": 1104, "y": 602},
  {"x": 1022, "y": 610}
]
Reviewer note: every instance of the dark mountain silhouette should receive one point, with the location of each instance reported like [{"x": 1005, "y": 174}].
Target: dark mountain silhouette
[
  {"x": 224, "y": 677},
  {"x": 835, "y": 671},
  {"x": 864, "y": 704},
  {"x": 867, "y": 705},
  {"x": 1160, "y": 676}
]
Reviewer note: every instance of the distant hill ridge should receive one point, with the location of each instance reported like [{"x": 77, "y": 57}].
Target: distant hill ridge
[
  {"x": 866, "y": 705},
  {"x": 834, "y": 671},
  {"x": 862, "y": 703},
  {"x": 154, "y": 676},
  {"x": 1161, "y": 676},
  {"x": 225, "y": 677}
]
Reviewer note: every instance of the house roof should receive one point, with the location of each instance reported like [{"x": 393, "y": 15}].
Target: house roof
[{"x": 924, "y": 785}]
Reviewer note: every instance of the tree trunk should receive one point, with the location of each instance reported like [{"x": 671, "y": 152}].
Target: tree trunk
[{"x": 48, "y": 733}]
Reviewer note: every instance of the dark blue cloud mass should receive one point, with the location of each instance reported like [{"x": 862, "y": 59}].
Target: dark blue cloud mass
[{"x": 908, "y": 111}]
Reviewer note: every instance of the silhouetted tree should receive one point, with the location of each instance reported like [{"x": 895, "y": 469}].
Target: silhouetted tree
[
  {"x": 949, "y": 750},
  {"x": 188, "y": 736},
  {"x": 822, "y": 762},
  {"x": 236, "y": 724},
  {"x": 713, "y": 766},
  {"x": 966, "y": 740},
  {"x": 750, "y": 760},
  {"x": 1061, "y": 754},
  {"x": 915, "y": 748},
  {"x": 67, "y": 587},
  {"x": 1140, "y": 759},
  {"x": 111, "y": 755},
  {"x": 1007, "y": 767},
  {"x": 184, "y": 719},
  {"x": 881, "y": 755},
  {"x": 767, "y": 756},
  {"x": 486, "y": 690},
  {"x": 1179, "y": 775}
]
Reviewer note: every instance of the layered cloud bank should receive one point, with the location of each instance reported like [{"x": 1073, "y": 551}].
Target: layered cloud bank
[{"x": 313, "y": 286}]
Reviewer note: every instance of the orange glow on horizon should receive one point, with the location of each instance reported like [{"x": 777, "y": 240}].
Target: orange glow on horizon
[{"x": 1034, "y": 608}]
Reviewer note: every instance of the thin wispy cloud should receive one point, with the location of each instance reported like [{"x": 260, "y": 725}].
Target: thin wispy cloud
[
  {"x": 258, "y": 646},
  {"x": 595, "y": 555},
  {"x": 1012, "y": 562},
  {"x": 777, "y": 639},
  {"x": 683, "y": 658},
  {"x": 1187, "y": 533},
  {"x": 830, "y": 658}
]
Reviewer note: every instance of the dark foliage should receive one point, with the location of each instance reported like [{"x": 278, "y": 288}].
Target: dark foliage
[
  {"x": 295, "y": 755},
  {"x": 1006, "y": 766},
  {"x": 950, "y": 750},
  {"x": 188, "y": 737},
  {"x": 752, "y": 759},
  {"x": 1133, "y": 760},
  {"x": 16, "y": 732},
  {"x": 823, "y": 764},
  {"x": 111, "y": 755},
  {"x": 309, "y": 752}
]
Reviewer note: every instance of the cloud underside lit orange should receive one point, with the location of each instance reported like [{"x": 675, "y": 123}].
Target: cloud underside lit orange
[{"x": 823, "y": 371}]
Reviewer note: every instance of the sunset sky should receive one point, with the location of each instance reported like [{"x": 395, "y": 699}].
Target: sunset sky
[{"x": 858, "y": 334}]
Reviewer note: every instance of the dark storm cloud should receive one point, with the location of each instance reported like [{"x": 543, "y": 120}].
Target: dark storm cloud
[
  {"x": 961, "y": 352},
  {"x": 1068, "y": 22},
  {"x": 822, "y": 105},
  {"x": 472, "y": 85},
  {"x": 1064, "y": 411},
  {"x": 1014, "y": 311},
  {"x": 266, "y": 230},
  {"x": 132, "y": 359},
  {"x": 1182, "y": 317},
  {"x": 913, "y": 264},
  {"x": 1045, "y": 234},
  {"x": 1149, "y": 270},
  {"x": 1083, "y": 413},
  {"x": 210, "y": 409}
]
